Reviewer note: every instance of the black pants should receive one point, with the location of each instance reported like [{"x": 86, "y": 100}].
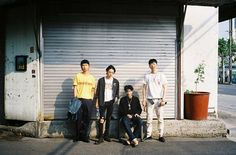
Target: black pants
[
  {"x": 108, "y": 106},
  {"x": 83, "y": 119}
]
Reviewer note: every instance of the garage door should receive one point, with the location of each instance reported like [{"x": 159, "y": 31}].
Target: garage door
[{"x": 127, "y": 42}]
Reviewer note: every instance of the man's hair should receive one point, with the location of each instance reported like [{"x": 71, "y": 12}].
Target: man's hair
[
  {"x": 110, "y": 67},
  {"x": 152, "y": 61},
  {"x": 84, "y": 62},
  {"x": 128, "y": 87}
]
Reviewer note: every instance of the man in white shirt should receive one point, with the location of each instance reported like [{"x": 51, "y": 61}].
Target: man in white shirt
[{"x": 154, "y": 95}]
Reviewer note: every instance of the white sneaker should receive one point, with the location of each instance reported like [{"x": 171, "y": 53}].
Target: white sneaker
[
  {"x": 135, "y": 142},
  {"x": 127, "y": 142}
]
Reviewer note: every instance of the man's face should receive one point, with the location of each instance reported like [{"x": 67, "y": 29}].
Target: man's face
[
  {"x": 129, "y": 92},
  {"x": 153, "y": 66},
  {"x": 110, "y": 73},
  {"x": 85, "y": 67}
]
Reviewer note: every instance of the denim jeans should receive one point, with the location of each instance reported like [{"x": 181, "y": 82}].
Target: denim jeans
[{"x": 129, "y": 123}]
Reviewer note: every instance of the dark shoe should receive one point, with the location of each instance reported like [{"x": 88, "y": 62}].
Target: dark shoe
[
  {"x": 162, "y": 139},
  {"x": 75, "y": 139},
  {"x": 147, "y": 138},
  {"x": 86, "y": 140},
  {"x": 107, "y": 139},
  {"x": 100, "y": 140}
]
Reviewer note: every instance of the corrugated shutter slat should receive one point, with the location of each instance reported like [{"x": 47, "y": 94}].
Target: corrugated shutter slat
[{"x": 126, "y": 42}]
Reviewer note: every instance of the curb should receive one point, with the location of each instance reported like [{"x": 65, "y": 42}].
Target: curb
[
  {"x": 231, "y": 132},
  {"x": 173, "y": 128},
  {"x": 27, "y": 130}
]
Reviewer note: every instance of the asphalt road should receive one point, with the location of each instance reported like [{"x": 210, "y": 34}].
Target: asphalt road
[
  {"x": 227, "y": 89},
  {"x": 227, "y": 98},
  {"x": 173, "y": 146}
]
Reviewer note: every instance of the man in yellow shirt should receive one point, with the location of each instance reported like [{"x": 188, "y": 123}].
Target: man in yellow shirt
[{"x": 84, "y": 89}]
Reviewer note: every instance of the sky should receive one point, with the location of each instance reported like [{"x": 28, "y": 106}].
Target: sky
[{"x": 224, "y": 29}]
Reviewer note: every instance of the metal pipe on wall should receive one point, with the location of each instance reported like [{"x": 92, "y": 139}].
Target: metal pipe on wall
[{"x": 230, "y": 51}]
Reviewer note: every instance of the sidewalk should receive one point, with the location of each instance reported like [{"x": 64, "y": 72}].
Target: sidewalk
[
  {"x": 227, "y": 108},
  {"x": 229, "y": 119},
  {"x": 212, "y": 127}
]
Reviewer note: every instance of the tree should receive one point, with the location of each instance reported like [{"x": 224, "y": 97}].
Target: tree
[
  {"x": 222, "y": 53},
  {"x": 233, "y": 50},
  {"x": 223, "y": 48}
]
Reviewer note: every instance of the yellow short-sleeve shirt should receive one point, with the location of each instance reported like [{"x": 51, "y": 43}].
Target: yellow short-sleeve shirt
[{"x": 85, "y": 85}]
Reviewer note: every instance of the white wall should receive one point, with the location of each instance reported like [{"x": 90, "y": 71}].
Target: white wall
[
  {"x": 21, "y": 89},
  {"x": 201, "y": 44}
]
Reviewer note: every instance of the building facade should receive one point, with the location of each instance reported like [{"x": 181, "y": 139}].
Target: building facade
[{"x": 54, "y": 37}]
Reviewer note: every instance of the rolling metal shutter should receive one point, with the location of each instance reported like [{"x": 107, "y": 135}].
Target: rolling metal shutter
[{"x": 127, "y": 42}]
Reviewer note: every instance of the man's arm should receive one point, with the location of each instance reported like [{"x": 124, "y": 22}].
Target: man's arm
[
  {"x": 144, "y": 103},
  {"x": 74, "y": 91},
  {"x": 139, "y": 109},
  {"x": 118, "y": 90},
  {"x": 74, "y": 86},
  {"x": 164, "y": 95},
  {"x": 164, "y": 92},
  {"x": 121, "y": 107},
  {"x": 97, "y": 93},
  {"x": 97, "y": 90},
  {"x": 93, "y": 91}
]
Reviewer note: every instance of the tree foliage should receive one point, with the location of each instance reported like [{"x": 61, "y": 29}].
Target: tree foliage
[
  {"x": 200, "y": 72},
  {"x": 233, "y": 50},
  {"x": 222, "y": 48}
]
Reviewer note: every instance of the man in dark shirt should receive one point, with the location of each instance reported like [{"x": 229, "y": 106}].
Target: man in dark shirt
[
  {"x": 107, "y": 93},
  {"x": 130, "y": 111}
]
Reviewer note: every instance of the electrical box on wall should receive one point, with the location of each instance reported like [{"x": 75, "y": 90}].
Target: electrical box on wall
[{"x": 21, "y": 63}]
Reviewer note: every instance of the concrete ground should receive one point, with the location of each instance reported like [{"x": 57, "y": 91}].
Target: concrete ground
[
  {"x": 173, "y": 146},
  {"x": 227, "y": 108}
]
